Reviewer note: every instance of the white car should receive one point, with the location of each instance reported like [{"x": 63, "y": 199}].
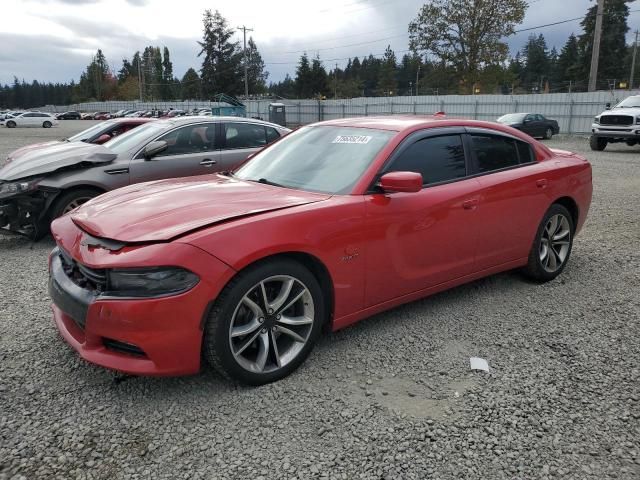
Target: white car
[{"x": 32, "y": 119}]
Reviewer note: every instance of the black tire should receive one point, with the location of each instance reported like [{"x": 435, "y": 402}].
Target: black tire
[
  {"x": 535, "y": 268},
  {"x": 597, "y": 144},
  {"x": 631, "y": 143},
  {"x": 65, "y": 200},
  {"x": 11, "y": 124},
  {"x": 217, "y": 349},
  {"x": 548, "y": 133},
  {"x": 46, "y": 124}
]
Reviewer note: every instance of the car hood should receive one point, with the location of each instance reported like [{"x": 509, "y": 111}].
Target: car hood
[
  {"x": 45, "y": 160},
  {"x": 166, "y": 209},
  {"x": 633, "y": 111},
  {"x": 35, "y": 146}
]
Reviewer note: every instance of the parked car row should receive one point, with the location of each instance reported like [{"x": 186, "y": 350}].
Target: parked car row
[{"x": 28, "y": 119}]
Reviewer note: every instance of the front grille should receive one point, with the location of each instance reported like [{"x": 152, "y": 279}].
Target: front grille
[
  {"x": 616, "y": 120},
  {"x": 123, "y": 347},
  {"x": 90, "y": 278}
]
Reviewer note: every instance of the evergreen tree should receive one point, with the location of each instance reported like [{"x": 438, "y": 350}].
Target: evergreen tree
[
  {"x": 318, "y": 78},
  {"x": 536, "y": 64},
  {"x": 256, "y": 73},
  {"x": 190, "y": 86},
  {"x": 167, "y": 89},
  {"x": 220, "y": 72},
  {"x": 387, "y": 83},
  {"x": 613, "y": 48},
  {"x": 304, "y": 89}
]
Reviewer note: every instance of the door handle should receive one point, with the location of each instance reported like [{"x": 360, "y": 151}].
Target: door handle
[
  {"x": 541, "y": 183},
  {"x": 208, "y": 162},
  {"x": 470, "y": 204}
]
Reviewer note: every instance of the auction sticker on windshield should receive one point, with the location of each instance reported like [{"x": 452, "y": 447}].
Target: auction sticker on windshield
[{"x": 352, "y": 139}]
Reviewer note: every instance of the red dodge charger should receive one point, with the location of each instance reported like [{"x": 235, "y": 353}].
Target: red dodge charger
[{"x": 333, "y": 223}]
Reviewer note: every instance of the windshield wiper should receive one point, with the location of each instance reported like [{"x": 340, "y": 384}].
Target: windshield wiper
[{"x": 268, "y": 182}]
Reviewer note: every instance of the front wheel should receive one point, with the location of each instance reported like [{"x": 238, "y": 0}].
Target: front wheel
[
  {"x": 265, "y": 322},
  {"x": 11, "y": 124},
  {"x": 71, "y": 200},
  {"x": 552, "y": 245},
  {"x": 597, "y": 144},
  {"x": 46, "y": 125}
]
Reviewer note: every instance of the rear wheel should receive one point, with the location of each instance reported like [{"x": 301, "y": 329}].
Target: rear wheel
[
  {"x": 552, "y": 245},
  {"x": 597, "y": 143},
  {"x": 11, "y": 124},
  {"x": 46, "y": 124},
  {"x": 631, "y": 143},
  {"x": 265, "y": 322},
  {"x": 548, "y": 133},
  {"x": 71, "y": 200}
]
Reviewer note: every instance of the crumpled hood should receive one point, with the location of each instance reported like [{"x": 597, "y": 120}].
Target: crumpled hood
[
  {"x": 166, "y": 209},
  {"x": 45, "y": 160},
  {"x": 34, "y": 146}
]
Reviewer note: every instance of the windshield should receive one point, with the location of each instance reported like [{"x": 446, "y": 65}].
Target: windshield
[
  {"x": 512, "y": 118},
  {"x": 89, "y": 132},
  {"x": 320, "y": 159},
  {"x": 135, "y": 137},
  {"x": 629, "y": 102}
]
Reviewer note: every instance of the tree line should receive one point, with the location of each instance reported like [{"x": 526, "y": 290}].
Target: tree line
[{"x": 452, "y": 49}]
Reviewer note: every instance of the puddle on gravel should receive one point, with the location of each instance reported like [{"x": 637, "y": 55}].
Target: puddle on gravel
[{"x": 407, "y": 397}]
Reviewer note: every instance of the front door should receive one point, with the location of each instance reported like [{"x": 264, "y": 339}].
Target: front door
[
  {"x": 419, "y": 240},
  {"x": 191, "y": 150}
]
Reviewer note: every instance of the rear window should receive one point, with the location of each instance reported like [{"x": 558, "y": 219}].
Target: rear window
[{"x": 494, "y": 152}]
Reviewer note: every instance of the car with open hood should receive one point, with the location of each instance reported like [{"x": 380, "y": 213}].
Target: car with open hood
[
  {"x": 43, "y": 184},
  {"x": 333, "y": 223},
  {"x": 97, "y": 134}
]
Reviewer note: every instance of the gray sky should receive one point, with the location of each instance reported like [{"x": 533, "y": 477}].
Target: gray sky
[{"x": 54, "y": 40}]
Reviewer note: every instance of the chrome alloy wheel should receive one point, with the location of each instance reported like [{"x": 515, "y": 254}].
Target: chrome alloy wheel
[
  {"x": 555, "y": 243},
  {"x": 271, "y": 324},
  {"x": 75, "y": 203}
]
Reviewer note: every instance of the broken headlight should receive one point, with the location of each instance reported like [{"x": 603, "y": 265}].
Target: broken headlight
[{"x": 9, "y": 189}]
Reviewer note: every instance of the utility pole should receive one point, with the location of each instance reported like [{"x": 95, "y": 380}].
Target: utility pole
[
  {"x": 140, "y": 76},
  {"x": 335, "y": 82},
  {"x": 633, "y": 62},
  {"x": 595, "y": 53},
  {"x": 246, "y": 77}
]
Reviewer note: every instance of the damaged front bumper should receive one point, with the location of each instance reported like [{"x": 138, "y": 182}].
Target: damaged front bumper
[{"x": 26, "y": 213}]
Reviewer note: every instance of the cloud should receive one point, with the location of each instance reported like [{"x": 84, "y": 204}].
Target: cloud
[{"x": 138, "y": 3}]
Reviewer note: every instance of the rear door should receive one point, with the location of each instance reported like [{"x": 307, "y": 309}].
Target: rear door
[
  {"x": 191, "y": 151},
  {"x": 512, "y": 196},
  {"x": 239, "y": 140}
]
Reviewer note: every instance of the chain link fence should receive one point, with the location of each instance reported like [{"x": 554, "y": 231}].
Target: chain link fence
[{"x": 573, "y": 111}]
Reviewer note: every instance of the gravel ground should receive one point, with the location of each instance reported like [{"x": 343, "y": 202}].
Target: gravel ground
[{"x": 391, "y": 397}]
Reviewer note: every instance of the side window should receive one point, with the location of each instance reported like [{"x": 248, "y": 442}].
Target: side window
[
  {"x": 438, "y": 159},
  {"x": 272, "y": 134},
  {"x": 529, "y": 118},
  {"x": 244, "y": 135},
  {"x": 540, "y": 118},
  {"x": 525, "y": 152},
  {"x": 494, "y": 152},
  {"x": 190, "y": 139},
  {"x": 29, "y": 115}
]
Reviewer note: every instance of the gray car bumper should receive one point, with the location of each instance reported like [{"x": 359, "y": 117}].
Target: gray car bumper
[{"x": 632, "y": 131}]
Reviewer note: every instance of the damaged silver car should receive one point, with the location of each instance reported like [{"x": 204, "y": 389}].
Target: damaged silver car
[{"x": 48, "y": 182}]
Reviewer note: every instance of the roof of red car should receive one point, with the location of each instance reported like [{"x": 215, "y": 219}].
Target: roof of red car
[
  {"x": 396, "y": 123},
  {"x": 133, "y": 120}
]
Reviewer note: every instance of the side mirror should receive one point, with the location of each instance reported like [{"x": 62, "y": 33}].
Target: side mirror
[
  {"x": 407, "y": 182},
  {"x": 105, "y": 137},
  {"x": 607, "y": 106},
  {"x": 154, "y": 148}
]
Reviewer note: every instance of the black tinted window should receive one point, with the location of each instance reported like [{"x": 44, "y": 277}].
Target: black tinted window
[
  {"x": 438, "y": 159},
  {"x": 494, "y": 153},
  {"x": 244, "y": 135},
  {"x": 272, "y": 134},
  {"x": 525, "y": 152}
]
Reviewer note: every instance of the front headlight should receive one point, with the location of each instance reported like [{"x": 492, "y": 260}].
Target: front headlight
[
  {"x": 9, "y": 189},
  {"x": 638, "y": 120},
  {"x": 596, "y": 120},
  {"x": 150, "y": 282}
]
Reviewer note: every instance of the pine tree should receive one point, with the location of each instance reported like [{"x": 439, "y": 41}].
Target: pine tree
[
  {"x": 568, "y": 65},
  {"x": 190, "y": 86},
  {"x": 167, "y": 90},
  {"x": 536, "y": 64},
  {"x": 318, "y": 78},
  {"x": 613, "y": 48},
  {"x": 256, "y": 73},
  {"x": 304, "y": 89},
  {"x": 387, "y": 83},
  {"x": 220, "y": 72}
]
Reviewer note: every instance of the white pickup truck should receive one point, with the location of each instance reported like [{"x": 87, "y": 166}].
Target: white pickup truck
[{"x": 618, "y": 124}]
